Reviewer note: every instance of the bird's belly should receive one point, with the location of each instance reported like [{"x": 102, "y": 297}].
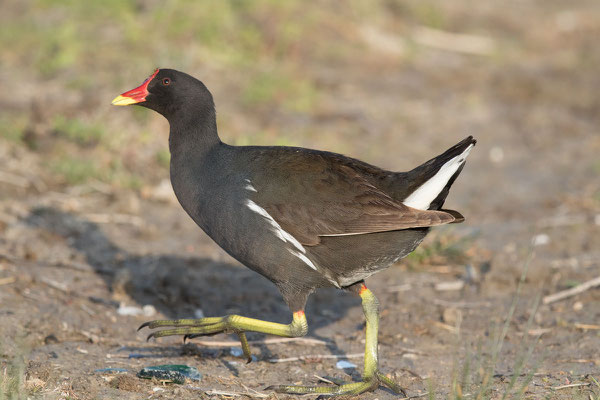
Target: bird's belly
[
  {"x": 349, "y": 259},
  {"x": 254, "y": 240}
]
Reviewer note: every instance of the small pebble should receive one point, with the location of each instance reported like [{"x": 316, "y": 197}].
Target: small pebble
[{"x": 577, "y": 306}]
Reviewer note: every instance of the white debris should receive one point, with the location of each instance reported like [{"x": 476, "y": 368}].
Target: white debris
[
  {"x": 343, "y": 364},
  {"x": 148, "y": 310},
  {"x": 129, "y": 310},
  {"x": 449, "y": 286},
  {"x": 541, "y": 239},
  {"x": 198, "y": 313}
]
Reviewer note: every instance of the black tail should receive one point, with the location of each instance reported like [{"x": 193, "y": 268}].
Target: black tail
[{"x": 423, "y": 191}]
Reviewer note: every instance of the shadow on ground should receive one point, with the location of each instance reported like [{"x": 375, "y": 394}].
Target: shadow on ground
[{"x": 177, "y": 286}]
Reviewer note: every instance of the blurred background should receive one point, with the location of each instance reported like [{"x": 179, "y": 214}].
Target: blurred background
[{"x": 393, "y": 83}]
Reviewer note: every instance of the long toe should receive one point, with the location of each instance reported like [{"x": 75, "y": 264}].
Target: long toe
[
  {"x": 345, "y": 389},
  {"x": 385, "y": 381},
  {"x": 174, "y": 323},
  {"x": 354, "y": 388}
]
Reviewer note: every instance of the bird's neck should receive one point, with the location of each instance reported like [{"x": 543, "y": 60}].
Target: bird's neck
[{"x": 193, "y": 133}]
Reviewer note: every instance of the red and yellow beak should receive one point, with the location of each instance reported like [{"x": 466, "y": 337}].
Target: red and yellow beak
[{"x": 136, "y": 95}]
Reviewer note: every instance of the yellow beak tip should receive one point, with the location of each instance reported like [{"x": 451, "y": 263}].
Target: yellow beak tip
[{"x": 123, "y": 101}]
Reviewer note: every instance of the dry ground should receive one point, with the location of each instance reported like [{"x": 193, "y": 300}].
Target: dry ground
[{"x": 381, "y": 83}]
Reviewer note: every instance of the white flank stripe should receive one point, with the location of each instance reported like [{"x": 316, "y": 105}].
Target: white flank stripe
[
  {"x": 277, "y": 229},
  {"x": 303, "y": 258},
  {"x": 249, "y": 186},
  {"x": 427, "y": 192}
]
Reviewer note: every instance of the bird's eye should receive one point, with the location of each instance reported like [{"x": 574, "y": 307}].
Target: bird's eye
[{"x": 166, "y": 81}]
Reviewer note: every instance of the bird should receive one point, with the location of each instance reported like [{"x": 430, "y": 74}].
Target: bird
[{"x": 304, "y": 219}]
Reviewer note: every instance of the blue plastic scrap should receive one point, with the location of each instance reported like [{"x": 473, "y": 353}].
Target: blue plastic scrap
[{"x": 170, "y": 373}]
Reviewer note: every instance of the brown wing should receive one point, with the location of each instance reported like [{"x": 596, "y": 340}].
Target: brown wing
[{"x": 329, "y": 199}]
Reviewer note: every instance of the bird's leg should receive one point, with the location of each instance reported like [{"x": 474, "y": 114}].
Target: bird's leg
[
  {"x": 191, "y": 328},
  {"x": 372, "y": 378}
]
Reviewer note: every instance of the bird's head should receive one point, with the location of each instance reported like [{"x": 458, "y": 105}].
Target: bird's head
[{"x": 171, "y": 93}]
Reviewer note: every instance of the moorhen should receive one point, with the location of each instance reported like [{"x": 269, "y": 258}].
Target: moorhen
[{"x": 304, "y": 219}]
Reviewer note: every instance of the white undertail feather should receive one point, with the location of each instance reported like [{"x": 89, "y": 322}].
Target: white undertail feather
[
  {"x": 282, "y": 234},
  {"x": 422, "y": 197}
]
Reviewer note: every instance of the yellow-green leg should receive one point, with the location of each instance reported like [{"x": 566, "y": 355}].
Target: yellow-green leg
[
  {"x": 372, "y": 378},
  {"x": 190, "y": 328}
]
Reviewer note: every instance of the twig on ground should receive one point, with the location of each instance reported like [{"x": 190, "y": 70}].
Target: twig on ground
[
  {"x": 324, "y": 380},
  {"x": 77, "y": 266},
  {"x": 447, "y": 327},
  {"x": 456, "y": 42},
  {"x": 214, "y": 392},
  {"x": 573, "y": 291},
  {"x": 8, "y": 280},
  {"x": 586, "y": 327},
  {"x": 254, "y": 393},
  {"x": 538, "y": 331},
  {"x": 317, "y": 357},
  {"x": 572, "y": 385},
  {"x": 449, "y": 286},
  {"x": 55, "y": 285}
]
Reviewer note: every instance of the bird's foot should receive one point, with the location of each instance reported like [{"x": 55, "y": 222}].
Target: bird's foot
[
  {"x": 188, "y": 327},
  {"x": 367, "y": 384},
  {"x": 191, "y": 328}
]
